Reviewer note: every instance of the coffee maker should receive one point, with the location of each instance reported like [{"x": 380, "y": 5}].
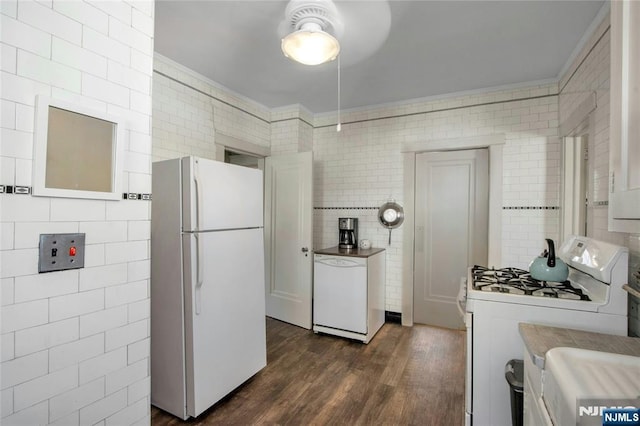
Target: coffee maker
[{"x": 348, "y": 233}]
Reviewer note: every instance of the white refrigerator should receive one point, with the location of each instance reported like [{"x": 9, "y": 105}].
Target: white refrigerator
[{"x": 207, "y": 282}]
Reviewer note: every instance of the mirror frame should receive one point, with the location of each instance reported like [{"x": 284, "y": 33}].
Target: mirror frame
[{"x": 40, "y": 146}]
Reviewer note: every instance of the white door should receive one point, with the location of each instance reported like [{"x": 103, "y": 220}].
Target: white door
[
  {"x": 224, "y": 313},
  {"x": 289, "y": 235},
  {"x": 451, "y": 225}
]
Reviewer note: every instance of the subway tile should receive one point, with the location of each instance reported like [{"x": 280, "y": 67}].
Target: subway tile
[
  {"x": 18, "y": 262},
  {"x": 104, "y": 232},
  {"x": 126, "y": 293},
  {"x": 65, "y": 209},
  {"x": 85, "y": 13},
  {"x": 130, "y": 78},
  {"x": 118, "y": 10},
  {"x": 93, "y": 255},
  {"x": 141, "y": 62},
  {"x": 23, "y": 369},
  {"x": 72, "y": 419},
  {"x": 126, "y": 252},
  {"x": 137, "y": 163},
  {"x": 72, "y": 305},
  {"x": 140, "y": 183},
  {"x": 102, "y": 365},
  {"x": 48, "y": 72},
  {"x": 23, "y": 172},
  {"x": 28, "y": 233},
  {"x": 46, "y": 19},
  {"x": 26, "y": 37},
  {"x": 139, "y": 270},
  {"x": 16, "y": 144},
  {"x": 74, "y": 352},
  {"x": 6, "y": 235},
  {"x": 130, "y": 36},
  {"x": 139, "y": 310},
  {"x": 45, "y": 387},
  {"x": 129, "y": 415},
  {"x": 7, "y": 170},
  {"x": 24, "y": 315},
  {"x": 128, "y": 210},
  {"x": 76, "y": 57},
  {"x": 64, "y": 404},
  {"x": 123, "y": 336},
  {"x": 99, "y": 410},
  {"x": 142, "y": 22},
  {"x": 35, "y": 415},
  {"x": 8, "y": 63},
  {"x": 8, "y": 347},
  {"x": 103, "y": 276},
  {"x": 6, "y": 399},
  {"x": 42, "y": 286},
  {"x": 9, "y": 8},
  {"x": 100, "y": 321},
  {"x": 126, "y": 376},
  {"x": 7, "y": 288},
  {"x": 137, "y": 351},
  {"x": 138, "y": 390},
  {"x": 139, "y": 230},
  {"x": 24, "y": 118},
  {"x": 103, "y": 45},
  {"x": 46, "y": 336},
  {"x": 104, "y": 90}
]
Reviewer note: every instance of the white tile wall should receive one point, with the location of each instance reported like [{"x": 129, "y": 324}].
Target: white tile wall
[
  {"x": 69, "y": 338},
  {"x": 187, "y": 115}
]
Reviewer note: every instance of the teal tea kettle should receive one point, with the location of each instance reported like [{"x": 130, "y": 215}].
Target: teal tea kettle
[{"x": 548, "y": 267}]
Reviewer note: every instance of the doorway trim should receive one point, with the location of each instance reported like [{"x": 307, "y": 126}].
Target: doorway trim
[{"x": 494, "y": 143}]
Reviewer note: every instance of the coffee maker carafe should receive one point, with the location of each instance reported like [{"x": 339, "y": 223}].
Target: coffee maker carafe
[{"x": 348, "y": 233}]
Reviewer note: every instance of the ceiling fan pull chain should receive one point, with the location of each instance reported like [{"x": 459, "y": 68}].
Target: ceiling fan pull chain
[{"x": 339, "y": 126}]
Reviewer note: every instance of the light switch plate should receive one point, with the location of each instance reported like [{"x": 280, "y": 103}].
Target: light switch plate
[{"x": 59, "y": 252}]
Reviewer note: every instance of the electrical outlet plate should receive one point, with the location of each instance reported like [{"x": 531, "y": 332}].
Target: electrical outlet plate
[{"x": 59, "y": 252}]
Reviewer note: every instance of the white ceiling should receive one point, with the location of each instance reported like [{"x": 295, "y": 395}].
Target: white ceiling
[{"x": 433, "y": 48}]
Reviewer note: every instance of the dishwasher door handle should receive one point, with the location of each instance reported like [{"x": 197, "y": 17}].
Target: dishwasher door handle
[{"x": 340, "y": 263}]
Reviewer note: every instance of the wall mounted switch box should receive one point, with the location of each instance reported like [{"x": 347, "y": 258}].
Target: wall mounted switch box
[{"x": 59, "y": 252}]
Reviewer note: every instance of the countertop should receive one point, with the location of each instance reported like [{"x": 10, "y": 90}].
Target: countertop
[
  {"x": 538, "y": 339},
  {"x": 358, "y": 252}
]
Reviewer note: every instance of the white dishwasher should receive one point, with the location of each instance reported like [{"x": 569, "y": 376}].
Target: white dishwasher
[{"x": 348, "y": 294}]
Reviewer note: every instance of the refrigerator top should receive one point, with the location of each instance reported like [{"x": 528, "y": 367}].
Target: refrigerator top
[{"x": 217, "y": 196}]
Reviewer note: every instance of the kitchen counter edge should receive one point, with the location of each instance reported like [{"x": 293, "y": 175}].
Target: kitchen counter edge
[
  {"x": 335, "y": 251},
  {"x": 539, "y": 339}
]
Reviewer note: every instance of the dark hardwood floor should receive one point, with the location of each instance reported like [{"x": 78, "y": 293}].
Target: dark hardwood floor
[{"x": 404, "y": 376}]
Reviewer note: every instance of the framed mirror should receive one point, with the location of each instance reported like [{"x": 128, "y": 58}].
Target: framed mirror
[{"x": 77, "y": 151}]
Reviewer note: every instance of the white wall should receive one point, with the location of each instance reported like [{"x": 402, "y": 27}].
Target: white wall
[{"x": 75, "y": 344}]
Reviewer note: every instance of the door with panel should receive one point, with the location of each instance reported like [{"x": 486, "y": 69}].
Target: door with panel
[
  {"x": 289, "y": 236},
  {"x": 451, "y": 224}
]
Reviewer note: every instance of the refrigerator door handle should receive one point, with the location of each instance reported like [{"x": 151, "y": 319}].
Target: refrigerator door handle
[
  {"x": 196, "y": 181},
  {"x": 199, "y": 272}
]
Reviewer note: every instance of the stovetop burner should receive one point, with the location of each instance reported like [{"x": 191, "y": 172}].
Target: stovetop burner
[{"x": 519, "y": 281}]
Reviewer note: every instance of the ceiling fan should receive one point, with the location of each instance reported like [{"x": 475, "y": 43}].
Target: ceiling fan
[{"x": 314, "y": 32}]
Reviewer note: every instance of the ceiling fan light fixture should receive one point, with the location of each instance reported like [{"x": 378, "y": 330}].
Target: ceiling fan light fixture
[
  {"x": 313, "y": 26},
  {"x": 310, "y": 45}
]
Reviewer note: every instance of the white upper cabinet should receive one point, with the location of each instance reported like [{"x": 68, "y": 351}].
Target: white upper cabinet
[{"x": 624, "y": 161}]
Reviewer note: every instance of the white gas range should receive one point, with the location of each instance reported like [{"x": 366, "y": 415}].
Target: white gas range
[{"x": 494, "y": 302}]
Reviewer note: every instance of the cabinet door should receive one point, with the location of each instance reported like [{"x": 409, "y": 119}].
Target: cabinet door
[{"x": 624, "y": 199}]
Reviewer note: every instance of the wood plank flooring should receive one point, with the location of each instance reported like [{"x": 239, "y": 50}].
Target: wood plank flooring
[{"x": 404, "y": 376}]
